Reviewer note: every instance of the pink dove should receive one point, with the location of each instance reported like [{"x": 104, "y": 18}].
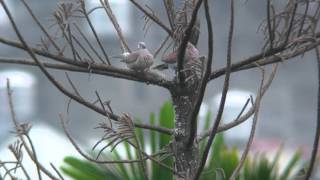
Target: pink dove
[
  {"x": 170, "y": 60},
  {"x": 138, "y": 60}
]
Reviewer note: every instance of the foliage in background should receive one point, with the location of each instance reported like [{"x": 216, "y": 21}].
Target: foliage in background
[{"x": 220, "y": 165}]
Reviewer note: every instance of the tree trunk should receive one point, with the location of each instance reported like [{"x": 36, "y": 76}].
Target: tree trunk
[{"x": 186, "y": 158}]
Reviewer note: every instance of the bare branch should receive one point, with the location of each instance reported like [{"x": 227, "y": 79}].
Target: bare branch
[
  {"x": 61, "y": 88},
  {"x": 93, "y": 30},
  {"x": 151, "y": 16},
  {"x": 214, "y": 129},
  {"x": 271, "y": 56},
  {"x": 205, "y": 78},
  {"x": 247, "y": 115},
  {"x": 270, "y": 30},
  {"x": 83, "y": 49},
  {"x": 36, "y": 161},
  {"x": 76, "y": 146},
  {"x": 72, "y": 85},
  {"x": 17, "y": 153},
  {"x": 184, "y": 42},
  {"x": 43, "y": 29},
  {"x": 56, "y": 170},
  {"x": 113, "y": 19},
  {"x": 152, "y": 77},
  {"x": 253, "y": 128},
  {"x": 20, "y": 129},
  {"x": 317, "y": 133},
  {"x": 169, "y": 5},
  {"x": 88, "y": 42}
]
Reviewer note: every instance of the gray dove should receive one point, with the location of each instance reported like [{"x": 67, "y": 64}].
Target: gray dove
[{"x": 138, "y": 60}]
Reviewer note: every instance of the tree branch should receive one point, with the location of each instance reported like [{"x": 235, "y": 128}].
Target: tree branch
[
  {"x": 65, "y": 91},
  {"x": 203, "y": 84},
  {"x": 223, "y": 96},
  {"x": 317, "y": 133},
  {"x": 268, "y": 57},
  {"x": 113, "y": 19},
  {"x": 184, "y": 42},
  {"x": 152, "y": 77},
  {"x": 151, "y": 16},
  {"x": 247, "y": 115},
  {"x": 252, "y": 132}
]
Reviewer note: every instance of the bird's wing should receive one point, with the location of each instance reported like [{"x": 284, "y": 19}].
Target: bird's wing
[
  {"x": 161, "y": 67},
  {"x": 132, "y": 57},
  {"x": 170, "y": 58}
]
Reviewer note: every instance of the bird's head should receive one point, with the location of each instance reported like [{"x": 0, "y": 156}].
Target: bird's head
[{"x": 142, "y": 45}]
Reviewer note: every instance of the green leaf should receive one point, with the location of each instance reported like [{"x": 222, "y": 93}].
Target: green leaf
[
  {"x": 133, "y": 167},
  {"x": 82, "y": 169},
  {"x": 140, "y": 136},
  {"x": 166, "y": 120},
  {"x": 206, "y": 127},
  {"x": 291, "y": 165},
  {"x": 121, "y": 166},
  {"x": 264, "y": 168},
  {"x": 229, "y": 161},
  {"x": 216, "y": 150},
  {"x": 153, "y": 142}
]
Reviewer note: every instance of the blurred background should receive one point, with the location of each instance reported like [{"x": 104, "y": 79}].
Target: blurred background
[{"x": 288, "y": 110}]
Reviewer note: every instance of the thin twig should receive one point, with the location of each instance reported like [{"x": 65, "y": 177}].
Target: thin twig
[
  {"x": 270, "y": 30},
  {"x": 317, "y": 133},
  {"x": 183, "y": 45},
  {"x": 151, "y": 16},
  {"x": 252, "y": 132},
  {"x": 248, "y": 62},
  {"x": 43, "y": 29},
  {"x": 244, "y": 117},
  {"x": 3, "y": 164},
  {"x": 77, "y": 147},
  {"x": 72, "y": 85},
  {"x": 16, "y": 124},
  {"x": 161, "y": 46},
  {"x": 34, "y": 155},
  {"x": 83, "y": 48},
  {"x": 113, "y": 19},
  {"x": 223, "y": 97},
  {"x": 148, "y": 77},
  {"x": 94, "y": 31},
  {"x": 62, "y": 89},
  {"x": 205, "y": 78},
  {"x": 18, "y": 162},
  {"x": 88, "y": 42},
  {"x": 57, "y": 171},
  {"x": 291, "y": 24},
  {"x": 169, "y": 6},
  {"x": 304, "y": 18}
]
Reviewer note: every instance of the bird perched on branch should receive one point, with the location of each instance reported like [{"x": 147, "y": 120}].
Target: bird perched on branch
[
  {"x": 138, "y": 60},
  {"x": 170, "y": 60}
]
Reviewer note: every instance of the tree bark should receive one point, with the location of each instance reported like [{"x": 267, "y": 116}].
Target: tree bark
[{"x": 186, "y": 158}]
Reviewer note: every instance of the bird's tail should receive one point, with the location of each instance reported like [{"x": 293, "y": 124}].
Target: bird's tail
[{"x": 161, "y": 67}]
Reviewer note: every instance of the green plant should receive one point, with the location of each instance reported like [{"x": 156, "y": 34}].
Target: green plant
[{"x": 220, "y": 165}]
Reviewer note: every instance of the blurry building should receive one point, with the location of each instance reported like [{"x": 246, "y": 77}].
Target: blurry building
[{"x": 288, "y": 110}]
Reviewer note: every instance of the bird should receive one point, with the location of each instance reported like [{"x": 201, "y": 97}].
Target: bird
[
  {"x": 170, "y": 60},
  {"x": 139, "y": 60}
]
